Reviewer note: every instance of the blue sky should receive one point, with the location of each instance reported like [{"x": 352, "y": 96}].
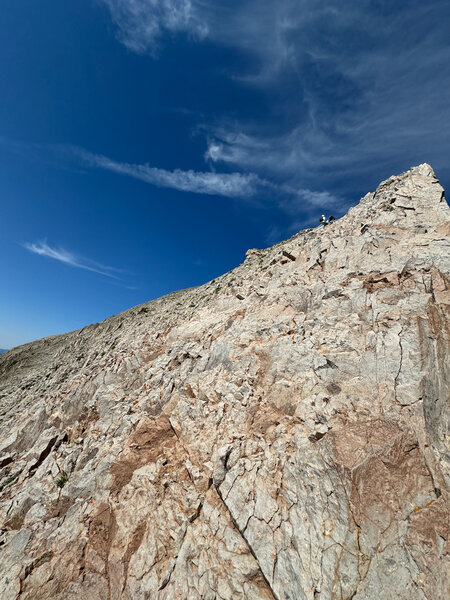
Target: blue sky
[{"x": 145, "y": 145}]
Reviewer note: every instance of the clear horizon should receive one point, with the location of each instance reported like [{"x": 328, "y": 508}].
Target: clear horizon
[{"x": 145, "y": 146}]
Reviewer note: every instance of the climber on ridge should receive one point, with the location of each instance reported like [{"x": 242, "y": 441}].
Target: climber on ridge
[{"x": 325, "y": 221}]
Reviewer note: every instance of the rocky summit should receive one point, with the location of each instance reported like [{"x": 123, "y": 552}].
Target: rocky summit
[{"x": 279, "y": 432}]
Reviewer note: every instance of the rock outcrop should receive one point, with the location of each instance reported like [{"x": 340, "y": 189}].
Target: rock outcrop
[{"x": 280, "y": 432}]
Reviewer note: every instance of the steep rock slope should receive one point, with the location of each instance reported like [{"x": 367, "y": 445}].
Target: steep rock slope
[{"x": 280, "y": 432}]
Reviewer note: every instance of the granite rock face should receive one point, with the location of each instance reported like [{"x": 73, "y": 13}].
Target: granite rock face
[{"x": 280, "y": 432}]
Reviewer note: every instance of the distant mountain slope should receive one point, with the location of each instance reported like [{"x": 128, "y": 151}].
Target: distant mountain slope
[{"x": 278, "y": 433}]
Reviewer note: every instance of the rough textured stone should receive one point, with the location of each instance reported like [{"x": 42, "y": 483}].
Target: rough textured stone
[{"x": 280, "y": 432}]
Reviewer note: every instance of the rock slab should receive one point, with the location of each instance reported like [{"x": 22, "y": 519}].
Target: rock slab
[{"x": 278, "y": 433}]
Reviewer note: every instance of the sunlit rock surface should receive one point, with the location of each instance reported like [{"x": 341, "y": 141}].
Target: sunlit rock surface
[{"x": 280, "y": 432}]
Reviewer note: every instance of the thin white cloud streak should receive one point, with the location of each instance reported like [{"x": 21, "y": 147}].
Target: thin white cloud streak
[
  {"x": 231, "y": 185},
  {"x": 68, "y": 258},
  {"x": 288, "y": 198}
]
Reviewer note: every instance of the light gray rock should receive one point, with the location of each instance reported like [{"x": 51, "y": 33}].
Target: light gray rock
[{"x": 278, "y": 433}]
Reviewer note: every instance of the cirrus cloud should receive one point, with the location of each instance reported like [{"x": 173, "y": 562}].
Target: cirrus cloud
[
  {"x": 142, "y": 23},
  {"x": 231, "y": 185},
  {"x": 349, "y": 85},
  {"x": 71, "y": 259}
]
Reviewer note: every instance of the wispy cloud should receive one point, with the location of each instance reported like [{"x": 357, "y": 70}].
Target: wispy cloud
[
  {"x": 260, "y": 28},
  {"x": 351, "y": 85},
  {"x": 68, "y": 258},
  {"x": 296, "y": 200},
  {"x": 232, "y": 185},
  {"x": 290, "y": 199},
  {"x": 142, "y": 23}
]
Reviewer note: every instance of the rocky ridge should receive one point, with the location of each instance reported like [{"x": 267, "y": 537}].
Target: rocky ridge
[{"x": 280, "y": 432}]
